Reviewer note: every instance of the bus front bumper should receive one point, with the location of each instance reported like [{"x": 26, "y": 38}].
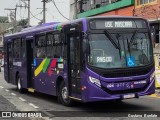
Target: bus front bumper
[{"x": 95, "y": 93}]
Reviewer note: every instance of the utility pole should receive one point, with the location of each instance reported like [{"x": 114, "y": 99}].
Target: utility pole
[
  {"x": 29, "y": 12},
  {"x": 44, "y": 9},
  {"x": 28, "y": 6},
  {"x": 14, "y": 10},
  {"x": 76, "y": 12}
]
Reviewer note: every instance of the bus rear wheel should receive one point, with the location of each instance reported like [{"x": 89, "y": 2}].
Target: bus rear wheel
[
  {"x": 19, "y": 84},
  {"x": 63, "y": 96}
]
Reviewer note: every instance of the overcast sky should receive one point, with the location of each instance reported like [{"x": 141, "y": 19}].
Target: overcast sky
[{"x": 52, "y": 14}]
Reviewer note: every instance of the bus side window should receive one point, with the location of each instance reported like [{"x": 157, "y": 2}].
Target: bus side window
[
  {"x": 23, "y": 50},
  {"x": 58, "y": 51},
  {"x": 41, "y": 46},
  {"x": 64, "y": 51},
  {"x": 41, "y": 52},
  {"x": 50, "y": 45},
  {"x": 54, "y": 45},
  {"x": 10, "y": 52},
  {"x": 17, "y": 48},
  {"x": 58, "y": 46},
  {"x": 64, "y": 46}
]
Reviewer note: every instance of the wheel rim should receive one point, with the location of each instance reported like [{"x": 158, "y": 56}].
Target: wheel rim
[
  {"x": 65, "y": 93},
  {"x": 19, "y": 84}
]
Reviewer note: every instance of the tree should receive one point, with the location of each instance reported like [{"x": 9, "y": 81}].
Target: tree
[
  {"x": 3, "y": 19},
  {"x": 23, "y": 22}
]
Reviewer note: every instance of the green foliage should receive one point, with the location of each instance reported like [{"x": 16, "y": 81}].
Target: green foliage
[
  {"x": 3, "y": 19},
  {"x": 23, "y": 22}
]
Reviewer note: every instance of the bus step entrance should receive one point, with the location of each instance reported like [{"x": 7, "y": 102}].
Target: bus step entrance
[{"x": 31, "y": 90}]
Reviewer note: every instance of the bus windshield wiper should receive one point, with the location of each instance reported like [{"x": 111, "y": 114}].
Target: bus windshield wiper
[
  {"x": 133, "y": 37},
  {"x": 129, "y": 50},
  {"x": 119, "y": 45},
  {"x": 111, "y": 39}
]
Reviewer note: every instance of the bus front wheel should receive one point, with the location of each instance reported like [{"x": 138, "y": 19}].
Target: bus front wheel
[
  {"x": 63, "y": 96},
  {"x": 19, "y": 84}
]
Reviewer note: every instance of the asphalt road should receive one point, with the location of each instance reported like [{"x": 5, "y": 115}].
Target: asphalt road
[{"x": 12, "y": 100}]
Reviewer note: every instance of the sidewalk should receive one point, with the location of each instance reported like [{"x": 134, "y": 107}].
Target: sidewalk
[{"x": 157, "y": 92}]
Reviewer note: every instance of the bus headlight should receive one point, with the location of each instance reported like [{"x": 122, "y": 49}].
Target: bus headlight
[
  {"x": 95, "y": 81},
  {"x": 152, "y": 76}
]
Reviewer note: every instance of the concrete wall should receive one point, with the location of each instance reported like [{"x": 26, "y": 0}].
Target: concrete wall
[{"x": 72, "y": 14}]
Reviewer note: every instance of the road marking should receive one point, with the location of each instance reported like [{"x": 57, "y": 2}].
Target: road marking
[
  {"x": 22, "y": 99},
  {"x": 13, "y": 94},
  {"x": 31, "y": 104},
  {"x": 6, "y": 90},
  {"x": 1, "y": 87},
  {"x": 154, "y": 95}
]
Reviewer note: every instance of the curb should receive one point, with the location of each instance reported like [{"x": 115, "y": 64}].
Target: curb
[{"x": 157, "y": 90}]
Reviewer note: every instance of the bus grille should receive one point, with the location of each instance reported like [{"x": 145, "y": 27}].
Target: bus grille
[{"x": 125, "y": 73}]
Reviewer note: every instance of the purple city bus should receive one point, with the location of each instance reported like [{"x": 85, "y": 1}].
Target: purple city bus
[{"x": 88, "y": 59}]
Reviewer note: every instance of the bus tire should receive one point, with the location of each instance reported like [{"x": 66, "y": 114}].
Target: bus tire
[
  {"x": 19, "y": 84},
  {"x": 63, "y": 95}
]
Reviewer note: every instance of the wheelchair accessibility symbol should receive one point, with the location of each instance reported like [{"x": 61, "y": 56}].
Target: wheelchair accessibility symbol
[{"x": 130, "y": 61}]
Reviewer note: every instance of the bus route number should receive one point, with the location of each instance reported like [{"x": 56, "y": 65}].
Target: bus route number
[{"x": 104, "y": 59}]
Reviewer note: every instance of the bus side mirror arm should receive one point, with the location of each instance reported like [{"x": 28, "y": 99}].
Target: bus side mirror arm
[
  {"x": 83, "y": 62},
  {"x": 84, "y": 45},
  {"x": 84, "y": 49}
]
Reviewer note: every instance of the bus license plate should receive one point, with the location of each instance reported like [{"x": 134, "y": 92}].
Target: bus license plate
[{"x": 129, "y": 96}]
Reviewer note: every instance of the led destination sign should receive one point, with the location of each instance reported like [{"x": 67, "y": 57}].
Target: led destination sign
[
  {"x": 104, "y": 24},
  {"x": 118, "y": 24}
]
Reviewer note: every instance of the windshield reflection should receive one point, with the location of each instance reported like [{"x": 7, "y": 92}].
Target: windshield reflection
[{"x": 131, "y": 52}]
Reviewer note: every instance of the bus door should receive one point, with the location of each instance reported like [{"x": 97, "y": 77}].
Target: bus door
[
  {"x": 73, "y": 43},
  {"x": 30, "y": 66},
  {"x": 10, "y": 61},
  {"x": 6, "y": 61}
]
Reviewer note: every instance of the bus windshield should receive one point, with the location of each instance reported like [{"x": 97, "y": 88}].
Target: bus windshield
[{"x": 119, "y": 50}]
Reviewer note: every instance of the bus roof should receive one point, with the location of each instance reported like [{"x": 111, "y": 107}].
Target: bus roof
[
  {"x": 43, "y": 27},
  {"x": 58, "y": 25}
]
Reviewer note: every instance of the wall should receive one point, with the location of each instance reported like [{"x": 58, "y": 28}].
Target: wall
[
  {"x": 149, "y": 11},
  {"x": 127, "y": 11},
  {"x": 72, "y": 9}
]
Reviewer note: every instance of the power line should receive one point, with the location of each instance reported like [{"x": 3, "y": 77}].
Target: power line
[
  {"x": 26, "y": 6},
  {"x": 10, "y": 25},
  {"x": 19, "y": 14},
  {"x": 59, "y": 10},
  {"x": 50, "y": 14},
  {"x": 24, "y": 13},
  {"x": 21, "y": 6},
  {"x": 15, "y": 11},
  {"x": 13, "y": 3},
  {"x": 34, "y": 16}
]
